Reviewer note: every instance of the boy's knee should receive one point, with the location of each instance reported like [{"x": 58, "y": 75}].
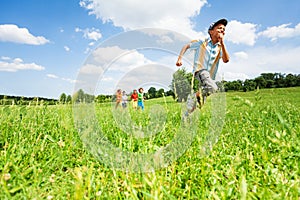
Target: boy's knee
[{"x": 214, "y": 87}]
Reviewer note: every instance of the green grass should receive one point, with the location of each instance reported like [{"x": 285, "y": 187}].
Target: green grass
[{"x": 257, "y": 155}]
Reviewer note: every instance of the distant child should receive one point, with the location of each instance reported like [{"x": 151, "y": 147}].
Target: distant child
[
  {"x": 118, "y": 97},
  {"x": 124, "y": 99},
  {"x": 141, "y": 98},
  {"x": 134, "y": 99}
]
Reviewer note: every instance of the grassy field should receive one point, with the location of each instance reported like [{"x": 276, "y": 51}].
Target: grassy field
[{"x": 257, "y": 154}]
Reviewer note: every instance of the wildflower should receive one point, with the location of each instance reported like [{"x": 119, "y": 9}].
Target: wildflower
[
  {"x": 49, "y": 197},
  {"x": 98, "y": 193},
  {"x": 61, "y": 143},
  {"x": 51, "y": 179},
  {"x": 6, "y": 176}
]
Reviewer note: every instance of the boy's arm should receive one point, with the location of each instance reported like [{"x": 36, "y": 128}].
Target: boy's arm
[
  {"x": 225, "y": 54},
  {"x": 183, "y": 50}
]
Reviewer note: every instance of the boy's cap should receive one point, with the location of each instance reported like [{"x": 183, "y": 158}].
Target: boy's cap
[{"x": 221, "y": 21}]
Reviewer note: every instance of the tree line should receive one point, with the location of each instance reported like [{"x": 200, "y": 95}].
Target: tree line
[
  {"x": 182, "y": 82},
  {"x": 265, "y": 80},
  {"x": 21, "y": 100},
  {"x": 81, "y": 96},
  {"x": 180, "y": 88}
]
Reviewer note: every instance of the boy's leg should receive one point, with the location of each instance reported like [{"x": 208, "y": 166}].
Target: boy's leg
[
  {"x": 207, "y": 86},
  {"x": 191, "y": 104},
  {"x": 207, "y": 81}
]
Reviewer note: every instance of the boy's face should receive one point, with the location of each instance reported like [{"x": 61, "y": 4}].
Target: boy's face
[{"x": 218, "y": 31}]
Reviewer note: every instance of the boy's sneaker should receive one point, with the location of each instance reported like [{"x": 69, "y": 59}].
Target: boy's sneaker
[{"x": 191, "y": 104}]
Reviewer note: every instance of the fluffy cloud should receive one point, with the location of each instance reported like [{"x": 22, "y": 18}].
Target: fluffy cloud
[
  {"x": 91, "y": 34},
  {"x": 168, "y": 14},
  {"x": 119, "y": 59},
  {"x": 52, "y": 76},
  {"x": 259, "y": 60},
  {"x": 282, "y": 31},
  {"x": 241, "y": 33},
  {"x": 90, "y": 69},
  {"x": 12, "y": 33},
  {"x": 17, "y": 64},
  {"x": 67, "y": 48},
  {"x": 241, "y": 55}
]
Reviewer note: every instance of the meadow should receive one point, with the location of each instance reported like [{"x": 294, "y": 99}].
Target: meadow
[{"x": 43, "y": 154}]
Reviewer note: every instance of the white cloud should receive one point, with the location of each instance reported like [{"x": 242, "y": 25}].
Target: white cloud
[
  {"x": 91, "y": 34},
  {"x": 91, "y": 69},
  {"x": 107, "y": 54},
  {"x": 66, "y": 48},
  {"x": 17, "y": 64},
  {"x": 111, "y": 66},
  {"x": 12, "y": 33},
  {"x": 241, "y": 33},
  {"x": 167, "y": 14},
  {"x": 119, "y": 61},
  {"x": 18, "y": 60},
  {"x": 68, "y": 80},
  {"x": 241, "y": 55},
  {"x": 52, "y": 76},
  {"x": 282, "y": 31},
  {"x": 5, "y": 58},
  {"x": 62, "y": 78},
  {"x": 117, "y": 58},
  {"x": 261, "y": 60},
  {"x": 231, "y": 76},
  {"x": 91, "y": 43},
  {"x": 165, "y": 39},
  {"x": 107, "y": 79}
]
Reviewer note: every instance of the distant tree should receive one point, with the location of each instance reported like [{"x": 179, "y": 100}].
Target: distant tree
[
  {"x": 279, "y": 80},
  {"x": 237, "y": 85},
  {"x": 268, "y": 76},
  {"x": 169, "y": 93},
  {"x": 270, "y": 84},
  {"x": 160, "y": 93},
  {"x": 152, "y": 92},
  {"x": 290, "y": 80},
  {"x": 233, "y": 85},
  {"x": 226, "y": 83},
  {"x": 249, "y": 85},
  {"x": 270, "y": 79},
  {"x": 78, "y": 96},
  {"x": 181, "y": 84},
  {"x": 88, "y": 98},
  {"x": 69, "y": 99},
  {"x": 260, "y": 82},
  {"x": 102, "y": 98},
  {"x": 4, "y": 100},
  {"x": 63, "y": 98},
  {"x": 298, "y": 80}
]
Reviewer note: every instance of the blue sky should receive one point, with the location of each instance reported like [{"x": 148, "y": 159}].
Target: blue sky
[{"x": 45, "y": 46}]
